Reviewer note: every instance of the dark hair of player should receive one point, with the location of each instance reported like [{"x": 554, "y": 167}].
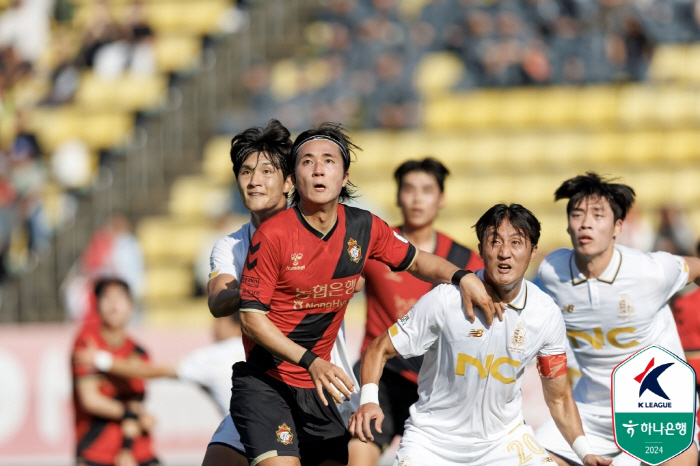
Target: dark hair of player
[
  {"x": 334, "y": 132},
  {"x": 273, "y": 141},
  {"x": 619, "y": 196},
  {"x": 103, "y": 283},
  {"x": 428, "y": 165},
  {"x": 519, "y": 217}
]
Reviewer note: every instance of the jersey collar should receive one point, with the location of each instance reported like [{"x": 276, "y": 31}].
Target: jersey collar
[
  {"x": 314, "y": 231},
  {"x": 608, "y": 275},
  {"x": 520, "y": 301}
]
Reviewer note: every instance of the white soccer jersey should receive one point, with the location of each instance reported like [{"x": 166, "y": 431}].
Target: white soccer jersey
[
  {"x": 469, "y": 383},
  {"x": 229, "y": 253},
  {"x": 210, "y": 367},
  {"x": 610, "y": 318}
]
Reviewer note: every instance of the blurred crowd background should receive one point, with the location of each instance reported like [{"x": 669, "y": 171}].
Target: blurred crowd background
[{"x": 116, "y": 118}]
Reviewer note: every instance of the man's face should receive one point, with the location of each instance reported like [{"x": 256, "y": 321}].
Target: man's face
[
  {"x": 506, "y": 254},
  {"x": 319, "y": 172},
  {"x": 420, "y": 199},
  {"x": 261, "y": 185},
  {"x": 592, "y": 226},
  {"x": 115, "y": 306}
]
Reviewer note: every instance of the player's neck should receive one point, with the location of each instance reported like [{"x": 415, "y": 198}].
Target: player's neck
[
  {"x": 257, "y": 218},
  {"x": 424, "y": 238},
  {"x": 320, "y": 217},
  {"x": 113, "y": 336},
  {"x": 507, "y": 293},
  {"x": 594, "y": 266}
]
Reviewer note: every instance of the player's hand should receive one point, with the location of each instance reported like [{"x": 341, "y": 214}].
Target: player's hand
[
  {"x": 331, "y": 377},
  {"x": 595, "y": 460},
  {"x": 146, "y": 422},
  {"x": 125, "y": 458},
  {"x": 359, "y": 425},
  {"x": 359, "y": 284},
  {"x": 477, "y": 293}
]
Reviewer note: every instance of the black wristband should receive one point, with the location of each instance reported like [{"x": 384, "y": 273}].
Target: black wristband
[
  {"x": 458, "y": 275},
  {"x": 129, "y": 414},
  {"x": 306, "y": 359},
  {"x": 127, "y": 443}
]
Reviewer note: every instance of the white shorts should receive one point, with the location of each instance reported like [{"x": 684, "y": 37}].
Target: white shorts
[
  {"x": 517, "y": 447},
  {"x": 226, "y": 434}
]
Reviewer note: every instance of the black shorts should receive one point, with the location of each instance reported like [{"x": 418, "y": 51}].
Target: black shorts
[
  {"x": 396, "y": 395},
  {"x": 275, "y": 419}
]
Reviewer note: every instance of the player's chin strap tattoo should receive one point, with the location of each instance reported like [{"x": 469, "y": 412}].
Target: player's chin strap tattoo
[{"x": 343, "y": 151}]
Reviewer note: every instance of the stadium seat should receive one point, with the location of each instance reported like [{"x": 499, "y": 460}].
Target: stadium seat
[
  {"x": 183, "y": 239},
  {"x": 216, "y": 164},
  {"x": 668, "y": 63},
  {"x": 177, "y": 52},
  {"x": 190, "y": 312},
  {"x": 555, "y": 107},
  {"x": 681, "y": 146},
  {"x": 192, "y": 17},
  {"x": 640, "y": 147},
  {"x": 128, "y": 93},
  {"x": 636, "y": 105},
  {"x": 168, "y": 282},
  {"x": 516, "y": 108},
  {"x": 596, "y": 106},
  {"x": 195, "y": 197},
  {"x": 437, "y": 73}
]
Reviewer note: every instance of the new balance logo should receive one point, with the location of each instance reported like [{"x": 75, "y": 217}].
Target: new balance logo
[{"x": 476, "y": 332}]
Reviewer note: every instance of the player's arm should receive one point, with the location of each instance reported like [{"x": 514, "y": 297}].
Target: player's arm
[
  {"x": 94, "y": 402},
  {"x": 224, "y": 295},
  {"x": 93, "y": 358},
  {"x": 434, "y": 269},
  {"x": 560, "y": 401},
  {"x": 258, "y": 327},
  {"x": 693, "y": 269},
  {"x": 373, "y": 361}
]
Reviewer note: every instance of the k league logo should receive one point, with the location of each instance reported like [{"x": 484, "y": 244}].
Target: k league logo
[{"x": 653, "y": 401}]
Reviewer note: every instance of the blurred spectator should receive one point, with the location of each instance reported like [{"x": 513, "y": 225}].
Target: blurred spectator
[
  {"x": 113, "y": 250},
  {"x": 674, "y": 233},
  {"x": 686, "y": 311},
  {"x": 24, "y": 27},
  {"x": 637, "y": 232},
  {"x": 71, "y": 165}
]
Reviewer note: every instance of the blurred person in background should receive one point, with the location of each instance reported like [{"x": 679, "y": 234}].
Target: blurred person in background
[
  {"x": 420, "y": 196},
  {"x": 208, "y": 367},
  {"x": 620, "y": 292},
  {"x": 112, "y": 427},
  {"x": 674, "y": 233},
  {"x": 686, "y": 312}
]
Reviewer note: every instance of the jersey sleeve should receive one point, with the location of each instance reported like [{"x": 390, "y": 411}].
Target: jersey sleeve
[
  {"x": 79, "y": 370},
  {"x": 675, "y": 272},
  {"x": 416, "y": 332},
  {"x": 222, "y": 259},
  {"x": 555, "y": 342},
  {"x": 391, "y": 248},
  {"x": 194, "y": 368},
  {"x": 260, "y": 273}
]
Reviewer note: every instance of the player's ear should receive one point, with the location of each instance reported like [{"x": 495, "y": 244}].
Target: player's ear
[
  {"x": 617, "y": 229},
  {"x": 288, "y": 184},
  {"x": 533, "y": 253},
  {"x": 481, "y": 251},
  {"x": 346, "y": 177}
]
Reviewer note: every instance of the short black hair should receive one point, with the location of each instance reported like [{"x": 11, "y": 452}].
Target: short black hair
[
  {"x": 334, "y": 132},
  {"x": 428, "y": 165},
  {"x": 519, "y": 217},
  {"x": 576, "y": 189},
  {"x": 273, "y": 140},
  {"x": 103, "y": 283}
]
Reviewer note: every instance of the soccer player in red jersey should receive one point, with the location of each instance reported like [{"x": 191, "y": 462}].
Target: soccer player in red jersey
[
  {"x": 111, "y": 426},
  {"x": 300, "y": 273},
  {"x": 421, "y": 195}
]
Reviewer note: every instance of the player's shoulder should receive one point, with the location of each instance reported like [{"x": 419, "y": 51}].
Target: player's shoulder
[
  {"x": 88, "y": 332},
  {"x": 240, "y": 235},
  {"x": 538, "y": 299},
  {"x": 280, "y": 223},
  {"x": 556, "y": 264},
  {"x": 353, "y": 215},
  {"x": 558, "y": 258}
]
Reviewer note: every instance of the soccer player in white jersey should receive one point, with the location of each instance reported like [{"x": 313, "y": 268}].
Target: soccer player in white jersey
[
  {"x": 613, "y": 300},
  {"x": 469, "y": 409},
  {"x": 259, "y": 157}
]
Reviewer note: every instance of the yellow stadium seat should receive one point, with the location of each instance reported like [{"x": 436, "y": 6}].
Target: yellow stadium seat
[
  {"x": 674, "y": 106},
  {"x": 692, "y": 64},
  {"x": 169, "y": 239},
  {"x": 681, "y": 146},
  {"x": 653, "y": 188},
  {"x": 128, "y": 93},
  {"x": 191, "y": 17},
  {"x": 216, "y": 163},
  {"x": 477, "y": 109},
  {"x": 446, "y": 113},
  {"x": 564, "y": 149},
  {"x": 636, "y": 105},
  {"x": 189, "y": 312},
  {"x": 523, "y": 150},
  {"x": 596, "y": 106},
  {"x": 195, "y": 197},
  {"x": 168, "y": 282},
  {"x": 437, "y": 73},
  {"x": 556, "y": 107},
  {"x": 668, "y": 63},
  {"x": 684, "y": 187},
  {"x": 517, "y": 107},
  {"x": 641, "y": 147},
  {"x": 177, "y": 52},
  {"x": 603, "y": 147}
]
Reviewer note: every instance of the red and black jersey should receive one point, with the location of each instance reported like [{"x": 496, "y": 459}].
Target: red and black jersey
[
  {"x": 685, "y": 312},
  {"x": 303, "y": 280},
  {"x": 390, "y": 295},
  {"x": 99, "y": 440}
]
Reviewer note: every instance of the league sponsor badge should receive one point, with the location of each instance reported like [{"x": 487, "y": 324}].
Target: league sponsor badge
[
  {"x": 284, "y": 434},
  {"x": 653, "y": 401},
  {"x": 404, "y": 319},
  {"x": 354, "y": 251}
]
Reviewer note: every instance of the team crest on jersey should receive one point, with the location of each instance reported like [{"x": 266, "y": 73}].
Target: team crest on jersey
[
  {"x": 569, "y": 308},
  {"x": 517, "y": 341},
  {"x": 405, "y": 461},
  {"x": 625, "y": 310},
  {"x": 476, "y": 333},
  {"x": 354, "y": 251},
  {"x": 284, "y": 434}
]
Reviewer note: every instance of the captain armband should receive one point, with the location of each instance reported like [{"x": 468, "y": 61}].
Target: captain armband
[{"x": 552, "y": 366}]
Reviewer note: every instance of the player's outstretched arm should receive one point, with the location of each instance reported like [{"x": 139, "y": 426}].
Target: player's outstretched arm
[
  {"x": 94, "y": 402},
  {"x": 324, "y": 374},
  {"x": 433, "y": 269},
  {"x": 224, "y": 295},
  {"x": 560, "y": 400},
  {"x": 373, "y": 361},
  {"x": 91, "y": 356}
]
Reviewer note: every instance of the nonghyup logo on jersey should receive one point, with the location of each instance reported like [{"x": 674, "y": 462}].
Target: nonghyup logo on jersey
[{"x": 653, "y": 400}]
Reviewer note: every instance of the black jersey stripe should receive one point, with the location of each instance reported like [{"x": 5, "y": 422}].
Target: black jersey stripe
[
  {"x": 358, "y": 228},
  {"x": 459, "y": 255},
  {"x": 407, "y": 261},
  {"x": 308, "y": 332},
  {"x": 97, "y": 426},
  {"x": 252, "y": 304}
]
